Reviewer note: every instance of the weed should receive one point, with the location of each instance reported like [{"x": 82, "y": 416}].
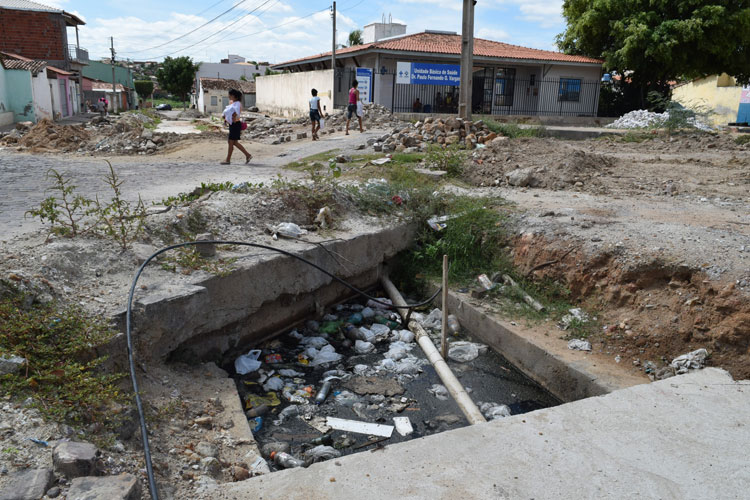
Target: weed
[
  {"x": 449, "y": 158},
  {"x": 631, "y": 136},
  {"x": 205, "y": 187},
  {"x": 743, "y": 139},
  {"x": 514, "y": 131},
  {"x": 61, "y": 374},
  {"x": 119, "y": 219},
  {"x": 67, "y": 212},
  {"x": 189, "y": 259}
]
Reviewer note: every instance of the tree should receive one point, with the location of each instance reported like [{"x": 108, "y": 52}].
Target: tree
[
  {"x": 655, "y": 42},
  {"x": 144, "y": 88},
  {"x": 177, "y": 76},
  {"x": 355, "y": 38}
]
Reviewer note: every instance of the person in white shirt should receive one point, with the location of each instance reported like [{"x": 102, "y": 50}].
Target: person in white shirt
[
  {"x": 232, "y": 118},
  {"x": 315, "y": 114}
]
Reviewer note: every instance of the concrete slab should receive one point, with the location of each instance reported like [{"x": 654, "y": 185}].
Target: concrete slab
[{"x": 684, "y": 437}]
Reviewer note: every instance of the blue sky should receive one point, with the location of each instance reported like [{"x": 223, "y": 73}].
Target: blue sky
[{"x": 140, "y": 27}]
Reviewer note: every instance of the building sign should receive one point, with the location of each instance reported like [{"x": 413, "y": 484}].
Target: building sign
[
  {"x": 428, "y": 74},
  {"x": 364, "y": 80}
]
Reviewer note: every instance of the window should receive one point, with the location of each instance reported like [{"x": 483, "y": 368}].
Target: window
[
  {"x": 214, "y": 100},
  {"x": 504, "y": 85},
  {"x": 570, "y": 89}
]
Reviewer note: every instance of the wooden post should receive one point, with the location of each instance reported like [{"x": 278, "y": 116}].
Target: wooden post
[{"x": 444, "y": 339}]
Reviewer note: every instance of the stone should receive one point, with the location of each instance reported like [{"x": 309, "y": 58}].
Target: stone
[
  {"x": 499, "y": 140},
  {"x": 74, "y": 459},
  {"x": 206, "y": 449},
  {"x": 520, "y": 177},
  {"x": 122, "y": 487},
  {"x": 150, "y": 144},
  {"x": 342, "y": 158},
  {"x": 29, "y": 484},
  {"x": 207, "y": 250},
  {"x": 147, "y": 134},
  {"x": 374, "y": 385},
  {"x": 377, "y": 147},
  {"x": 204, "y": 421},
  {"x": 211, "y": 466},
  {"x": 10, "y": 364},
  {"x": 53, "y": 492},
  {"x": 239, "y": 473},
  {"x": 302, "y": 135},
  {"x": 452, "y": 139},
  {"x": 361, "y": 147}
]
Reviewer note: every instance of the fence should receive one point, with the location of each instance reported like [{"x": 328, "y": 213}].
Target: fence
[{"x": 503, "y": 96}]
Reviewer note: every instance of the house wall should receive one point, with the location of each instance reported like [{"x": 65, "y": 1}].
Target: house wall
[
  {"x": 289, "y": 94},
  {"x": 57, "y": 101},
  {"x": 588, "y": 105},
  {"x": 20, "y": 97},
  {"x": 229, "y": 71},
  {"x": 36, "y": 35},
  {"x": 723, "y": 102},
  {"x": 222, "y": 100},
  {"x": 6, "y": 114},
  {"x": 42, "y": 96}
]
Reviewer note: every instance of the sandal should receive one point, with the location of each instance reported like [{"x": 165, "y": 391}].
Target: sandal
[
  {"x": 224, "y": 163},
  {"x": 248, "y": 158}
]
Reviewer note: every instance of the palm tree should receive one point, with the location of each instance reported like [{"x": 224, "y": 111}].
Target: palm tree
[{"x": 355, "y": 38}]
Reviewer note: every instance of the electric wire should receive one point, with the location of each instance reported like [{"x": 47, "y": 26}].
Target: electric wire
[
  {"x": 191, "y": 31},
  {"x": 128, "y": 325},
  {"x": 274, "y": 27}
]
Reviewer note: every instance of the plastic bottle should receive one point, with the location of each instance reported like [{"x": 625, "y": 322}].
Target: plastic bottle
[
  {"x": 324, "y": 440},
  {"x": 258, "y": 411},
  {"x": 453, "y": 325},
  {"x": 352, "y": 332},
  {"x": 323, "y": 392},
  {"x": 285, "y": 460}
]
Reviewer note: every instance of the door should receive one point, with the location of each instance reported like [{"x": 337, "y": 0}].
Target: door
[{"x": 63, "y": 97}]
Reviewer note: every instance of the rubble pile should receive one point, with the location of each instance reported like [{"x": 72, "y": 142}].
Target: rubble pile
[
  {"x": 446, "y": 131},
  {"x": 330, "y": 387},
  {"x": 273, "y": 130},
  {"x": 541, "y": 163},
  {"x": 642, "y": 118},
  {"x": 128, "y": 133}
]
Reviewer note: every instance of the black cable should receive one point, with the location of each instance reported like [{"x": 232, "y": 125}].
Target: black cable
[{"x": 131, "y": 359}]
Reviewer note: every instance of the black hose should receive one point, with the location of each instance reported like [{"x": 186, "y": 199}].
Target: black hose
[{"x": 131, "y": 358}]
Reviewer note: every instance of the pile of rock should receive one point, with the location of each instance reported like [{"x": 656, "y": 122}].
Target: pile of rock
[{"x": 447, "y": 131}]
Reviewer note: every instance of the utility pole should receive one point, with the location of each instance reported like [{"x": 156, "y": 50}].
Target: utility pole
[
  {"x": 114, "y": 90},
  {"x": 467, "y": 60},
  {"x": 333, "y": 51}
]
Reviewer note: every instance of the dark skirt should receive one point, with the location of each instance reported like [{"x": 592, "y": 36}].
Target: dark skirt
[
  {"x": 314, "y": 115},
  {"x": 235, "y": 130}
]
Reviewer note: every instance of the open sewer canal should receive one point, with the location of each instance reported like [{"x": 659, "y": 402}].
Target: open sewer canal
[{"x": 383, "y": 390}]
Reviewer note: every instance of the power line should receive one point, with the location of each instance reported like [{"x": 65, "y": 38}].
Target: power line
[
  {"x": 224, "y": 38},
  {"x": 192, "y": 31},
  {"x": 277, "y": 26},
  {"x": 216, "y": 33}
]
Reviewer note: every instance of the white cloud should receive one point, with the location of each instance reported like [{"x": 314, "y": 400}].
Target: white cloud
[
  {"x": 440, "y": 4},
  {"x": 493, "y": 34},
  {"x": 546, "y": 13}
]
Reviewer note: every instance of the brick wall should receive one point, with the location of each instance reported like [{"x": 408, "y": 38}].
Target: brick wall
[{"x": 36, "y": 35}]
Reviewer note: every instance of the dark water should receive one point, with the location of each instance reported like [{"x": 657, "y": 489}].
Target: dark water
[{"x": 488, "y": 378}]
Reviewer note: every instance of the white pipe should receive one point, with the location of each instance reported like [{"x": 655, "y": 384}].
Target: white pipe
[{"x": 464, "y": 402}]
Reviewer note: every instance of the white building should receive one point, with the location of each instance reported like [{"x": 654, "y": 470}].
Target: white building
[
  {"x": 235, "y": 68},
  {"x": 213, "y": 94},
  {"x": 421, "y": 73}
]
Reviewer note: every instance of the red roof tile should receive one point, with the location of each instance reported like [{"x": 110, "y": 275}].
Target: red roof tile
[
  {"x": 225, "y": 84},
  {"x": 441, "y": 43}
]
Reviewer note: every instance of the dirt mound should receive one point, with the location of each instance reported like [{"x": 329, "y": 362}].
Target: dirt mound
[
  {"x": 538, "y": 162},
  {"x": 47, "y": 136},
  {"x": 651, "y": 310}
]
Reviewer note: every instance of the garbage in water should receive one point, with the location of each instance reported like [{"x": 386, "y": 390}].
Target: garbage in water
[
  {"x": 691, "y": 361},
  {"x": 403, "y": 425},
  {"x": 579, "y": 345},
  {"x": 313, "y": 387},
  {"x": 454, "y": 327},
  {"x": 493, "y": 411},
  {"x": 463, "y": 351},
  {"x": 247, "y": 362}
]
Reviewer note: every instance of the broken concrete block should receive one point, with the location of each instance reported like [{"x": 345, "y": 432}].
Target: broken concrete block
[
  {"x": 211, "y": 466},
  {"x": 478, "y": 293},
  {"x": 122, "y": 487},
  {"x": 520, "y": 177},
  {"x": 206, "y": 250},
  {"x": 74, "y": 459},
  {"x": 206, "y": 449},
  {"x": 30, "y": 484},
  {"x": 11, "y": 364}
]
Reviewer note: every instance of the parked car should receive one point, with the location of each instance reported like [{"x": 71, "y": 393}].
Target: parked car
[{"x": 164, "y": 107}]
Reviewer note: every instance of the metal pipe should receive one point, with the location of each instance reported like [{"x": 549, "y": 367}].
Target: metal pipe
[{"x": 464, "y": 402}]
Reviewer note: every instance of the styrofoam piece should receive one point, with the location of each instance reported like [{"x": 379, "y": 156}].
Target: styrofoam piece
[
  {"x": 359, "y": 427},
  {"x": 403, "y": 425}
]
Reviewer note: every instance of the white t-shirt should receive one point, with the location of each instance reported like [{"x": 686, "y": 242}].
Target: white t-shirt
[
  {"x": 234, "y": 107},
  {"x": 314, "y": 103}
]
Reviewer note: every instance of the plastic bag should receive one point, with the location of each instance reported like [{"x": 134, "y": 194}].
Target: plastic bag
[
  {"x": 322, "y": 123},
  {"x": 579, "y": 345},
  {"x": 434, "y": 319},
  {"x": 463, "y": 351},
  {"x": 289, "y": 229},
  {"x": 316, "y": 342},
  {"x": 380, "y": 331},
  {"x": 346, "y": 398},
  {"x": 403, "y": 336},
  {"x": 367, "y": 312},
  {"x": 439, "y": 391},
  {"x": 247, "y": 362},
  {"x": 360, "y": 109},
  {"x": 398, "y": 350},
  {"x": 493, "y": 411},
  {"x": 363, "y": 347},
  {"x": 273, "y": 384},
  {"x": 322, "y": 452},
  {"x": 325, "y": 355},
  {"x": 361, "y": 370},
  {"x": 690, "y": 361}
]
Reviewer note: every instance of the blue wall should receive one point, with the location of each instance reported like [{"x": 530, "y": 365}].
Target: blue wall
[{"x": 16, "y": 94}]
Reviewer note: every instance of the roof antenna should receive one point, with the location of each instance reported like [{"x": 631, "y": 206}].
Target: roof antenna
[
  {"x": 390, "y": 18},
  {"x": 383, "y": 17}
]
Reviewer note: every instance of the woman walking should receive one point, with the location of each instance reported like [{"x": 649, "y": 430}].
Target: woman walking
[
  {"x": 232, "y": 117},
  {"x": 315, "y": 114},
  {"x": 352, "y": 108}
]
